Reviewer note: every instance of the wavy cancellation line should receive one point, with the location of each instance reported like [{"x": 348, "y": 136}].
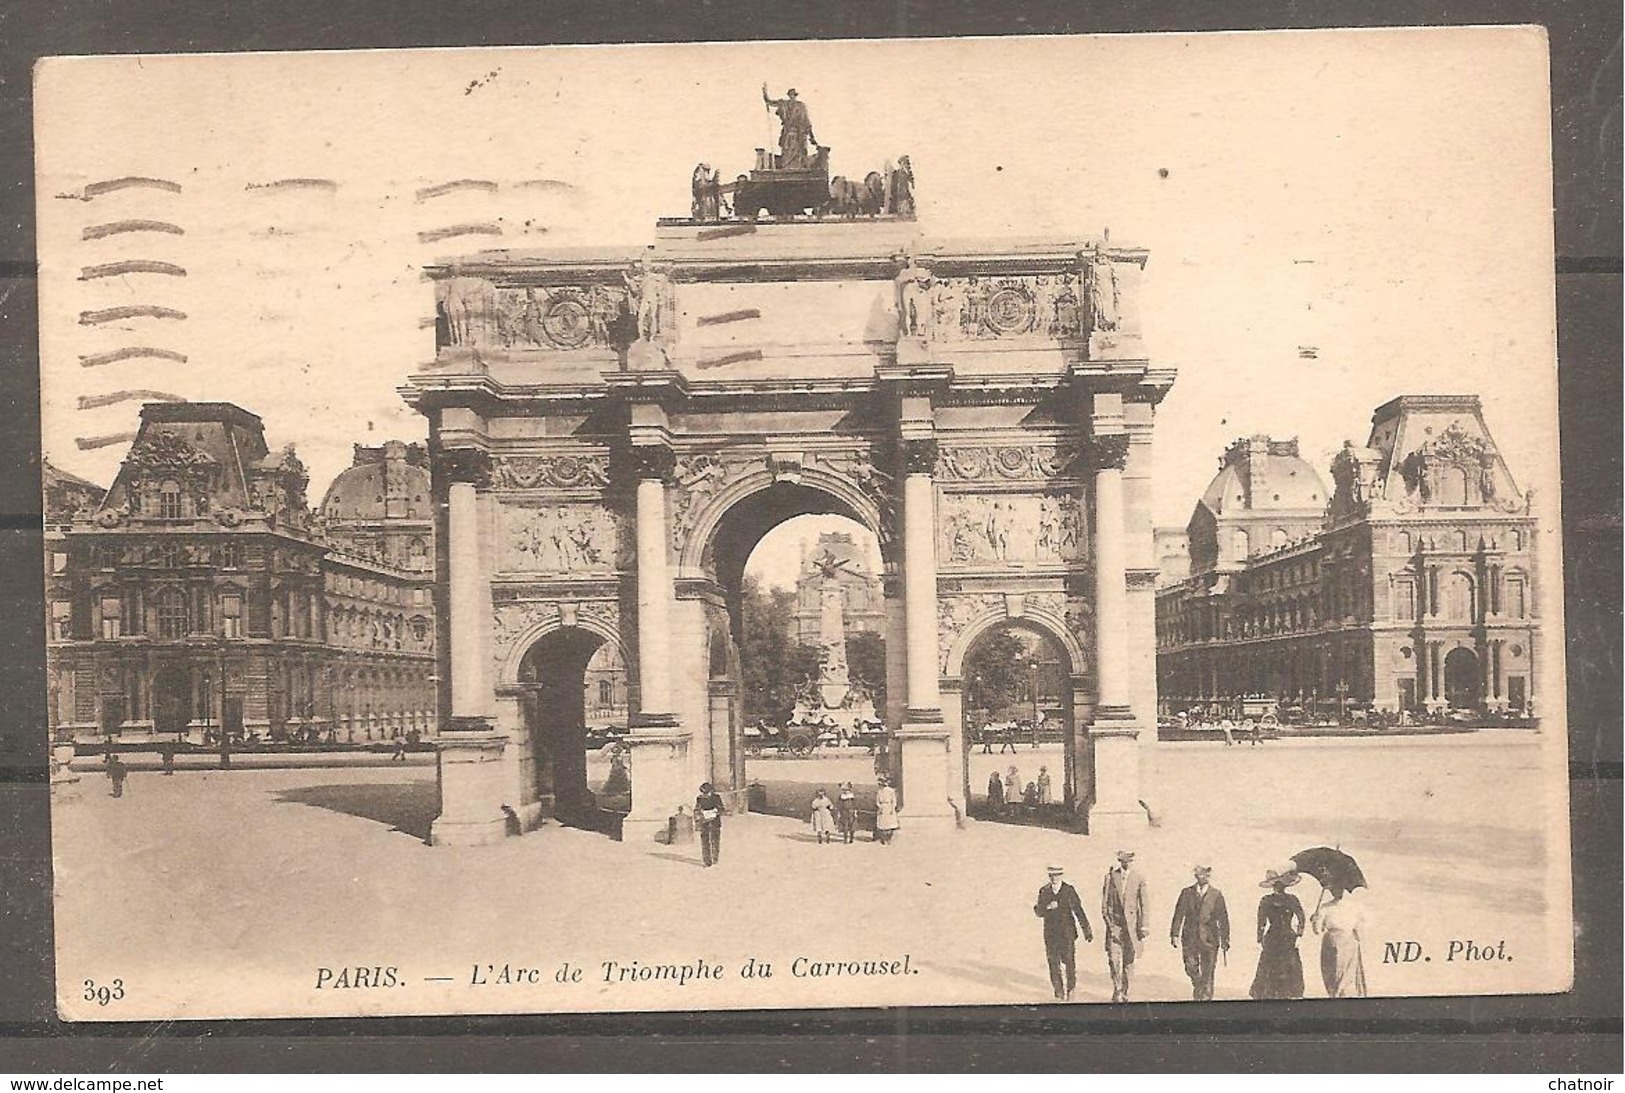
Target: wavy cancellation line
[
  {"x": 129, "y": 311},
  {"x": 131, "y": 265},
  {"x": 130, "y": 182},
  {"x": 123, "y": 227},
  {"x": 113, "y": 398},
  {"x": 129, "y": 352}
]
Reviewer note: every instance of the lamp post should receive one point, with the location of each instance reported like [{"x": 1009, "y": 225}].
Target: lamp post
[{"x": 1033, "y": 667}]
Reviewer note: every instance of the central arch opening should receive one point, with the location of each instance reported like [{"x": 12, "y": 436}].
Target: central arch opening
[
  {"x": 801, "y": 573},
  {"x": 1018, "y": 727}
]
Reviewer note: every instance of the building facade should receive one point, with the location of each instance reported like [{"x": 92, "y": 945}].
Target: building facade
[
  {"x": 202, "y": 596},
  {"x": 1415, "y": 593}
]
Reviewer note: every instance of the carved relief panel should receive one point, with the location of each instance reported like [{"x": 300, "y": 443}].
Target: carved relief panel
[
  {"x": 978, "y": 307},
  {"x": 471, "y": 312},
  {"x": 565, "y": 538},
  {"x": 1010, "y": 527},
  {"x": 513, "y": 619}
]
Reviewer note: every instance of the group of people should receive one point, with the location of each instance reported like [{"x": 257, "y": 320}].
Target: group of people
[
  {"x": 1005, "y": 793},
  {"x": 1200, "y": 930},
  {"x": 1007, "y": 734},
  {"x": 839, "y": 815}
]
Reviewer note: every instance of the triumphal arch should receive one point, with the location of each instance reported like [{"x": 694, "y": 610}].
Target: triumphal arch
[{"x": 613, "y": 432}]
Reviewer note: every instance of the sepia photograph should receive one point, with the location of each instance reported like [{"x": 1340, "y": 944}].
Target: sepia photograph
[{"x": 771, "y": 526}]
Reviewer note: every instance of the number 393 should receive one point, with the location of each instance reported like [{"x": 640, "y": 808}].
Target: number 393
[{"x": 103, "y": 993}]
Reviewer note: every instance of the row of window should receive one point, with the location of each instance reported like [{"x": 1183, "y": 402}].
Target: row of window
[{"x": 175, "y": 617}]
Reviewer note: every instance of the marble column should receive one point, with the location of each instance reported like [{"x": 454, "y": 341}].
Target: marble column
[
  {"x": 660, "y": 746},
  {"x": 1113, "y": 751},
  {"x": 923, "y": 739},
  {"x": 474, "y": 780}
]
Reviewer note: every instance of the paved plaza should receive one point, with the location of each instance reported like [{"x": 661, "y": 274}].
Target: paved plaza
[{"x": 217, "y": 893}]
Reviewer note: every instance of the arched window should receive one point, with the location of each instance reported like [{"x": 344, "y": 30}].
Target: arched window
[
  {"x": 1402, "y": 541},
  {"x": 1240, "y": 544},
  {"x": 1453, "y": 486},
  {"x": 172, "y": 618},
  {"x": 171, "y": 501},
  {"x": 1278, "y": 537},
  {"x": 1459, "y": 596}
]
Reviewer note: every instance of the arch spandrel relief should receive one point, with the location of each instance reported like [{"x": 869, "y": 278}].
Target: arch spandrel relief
[{"x": 516, "y": 624}]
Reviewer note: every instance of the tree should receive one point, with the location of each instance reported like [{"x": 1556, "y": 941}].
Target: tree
[
  {"x": 777, "y": 671},
  {"x": 997, "y": 671},
  {"x": 866, "y": 666}
]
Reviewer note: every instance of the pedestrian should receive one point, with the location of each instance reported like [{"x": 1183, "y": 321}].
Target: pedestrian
[
  {"x": 400, "y": 749},
  {"x": 886, "y": 810},
  {"x": 1124, "y": 916},
  {"x": 117, "y": 771},
  {"x": 1029, "y": 797},
  {"x": 1062, "y": 911},
  {"x": 1342, "y": 968},
  {"x": 1228, "y": 727},
  {"x": 846, "y": 812},
  {"x": 1012, "y": 788},
  {"x": 995, "y": 793},
  {"x": 1200, "y": 930},
  {"x": 1280, "y": 924},
  {"x": 1044, "y": 788},
  {"x": 1007, "y": 738},
  {"x": 708, "y": 810},
  {"x": 823, "y": 817},
  {"x": 167, "y": 752},
  {"x": 987, "y": 739}
]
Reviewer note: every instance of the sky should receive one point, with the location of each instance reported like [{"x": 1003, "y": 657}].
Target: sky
[{"x": 1382, "y": 196}]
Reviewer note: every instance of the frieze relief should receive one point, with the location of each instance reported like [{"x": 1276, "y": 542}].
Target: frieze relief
[
  {"x": 474, "y": 313},
  {"x": 1007, "y": 462},
  {"x": 979, "y": 308},
  {"x": 1017, "y": 528},
  {"x": 563, "y": 539},
  {"x": 533, "y": 472}
]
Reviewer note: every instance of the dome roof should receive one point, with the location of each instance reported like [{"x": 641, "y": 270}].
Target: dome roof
[
  {"x": 384, "y": 483},
  {"x": 1264, "y": 477}
]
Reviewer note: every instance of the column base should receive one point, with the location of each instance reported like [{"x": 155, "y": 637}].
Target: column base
[
  {"x": 474, "y": 788},
  {"x": 660, "y": 776},
  {"x": 923, "y": 761},
  {"x": 1113, "y": 743}
]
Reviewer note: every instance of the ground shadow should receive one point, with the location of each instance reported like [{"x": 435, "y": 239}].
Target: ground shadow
[
  {"x": 407, "y": 807},
  {"x": 1055, "y": 817},
  {"x": 680, "y": 858}
]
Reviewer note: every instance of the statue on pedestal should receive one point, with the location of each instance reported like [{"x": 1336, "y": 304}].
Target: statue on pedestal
[
  {"x": 914, "y": 283},
  {"x": 649, "y": 298},
  {"x": 1102, "y": 292},
  {"x": 795, "y": 130}
]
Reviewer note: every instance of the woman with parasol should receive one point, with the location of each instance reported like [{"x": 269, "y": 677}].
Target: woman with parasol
[
  {"x": 1280, "y": 924},
  {"x": 1337, "y": 918}
]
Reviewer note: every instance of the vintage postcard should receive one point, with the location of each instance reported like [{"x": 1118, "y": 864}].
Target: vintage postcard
[{"x": 787, "y": 525}]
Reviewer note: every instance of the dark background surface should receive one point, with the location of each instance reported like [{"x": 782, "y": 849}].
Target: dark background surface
[{"x": 1577, "y": 1032}]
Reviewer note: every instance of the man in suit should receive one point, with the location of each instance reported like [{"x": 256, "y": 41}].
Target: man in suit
[
  {"x": 1200, "y": 930},
  {"x": 1123, "y": 911},
  {"x": 1062, "y": 911},
  {"x": 708, "y": 810}
]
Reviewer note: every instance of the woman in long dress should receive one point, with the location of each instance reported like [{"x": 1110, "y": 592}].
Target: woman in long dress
[
  {"x": 995, "y": 793},
  {"x": 823, "y": 817},
  {"x": 1280, "y": 924},
  {"x": 1341, "y": 967},
  {"x": 886, "y": 821}
]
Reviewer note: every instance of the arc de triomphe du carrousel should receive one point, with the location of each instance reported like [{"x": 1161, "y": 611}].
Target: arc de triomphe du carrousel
[{"x": 612, "y": 434}]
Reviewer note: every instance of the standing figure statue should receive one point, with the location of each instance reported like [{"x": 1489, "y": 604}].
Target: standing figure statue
[
  {"x": 795, "y": 130},
  {"x": 647, "y": 289},
  {"x": 1102, "y": 292},
  {"x": 913, "y": 300}
]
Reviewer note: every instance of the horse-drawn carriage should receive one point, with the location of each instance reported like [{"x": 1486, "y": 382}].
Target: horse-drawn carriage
[{"x": 797, "y": 741}]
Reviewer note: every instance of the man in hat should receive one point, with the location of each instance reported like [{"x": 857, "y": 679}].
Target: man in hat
[
  {"x": 1062, "y": 911},
  {"x": 1123, "y": 911},
  {"x": 1200, "y": 930},
  {"x": 708, "y": 818}
]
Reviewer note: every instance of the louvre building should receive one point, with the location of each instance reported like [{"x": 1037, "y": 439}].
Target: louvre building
[{"x": 203, "y": 592}]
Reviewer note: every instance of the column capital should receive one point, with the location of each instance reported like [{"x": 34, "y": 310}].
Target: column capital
[
  {"x": 917, "y": 455},
  {"x": 1106, "y": 451},
  {"x": 466, "y": 465},
  {"x": 652, "y": 461}
]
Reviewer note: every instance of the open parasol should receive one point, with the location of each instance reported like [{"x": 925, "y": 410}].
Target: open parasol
[{"x": 1332, "y": 868}]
